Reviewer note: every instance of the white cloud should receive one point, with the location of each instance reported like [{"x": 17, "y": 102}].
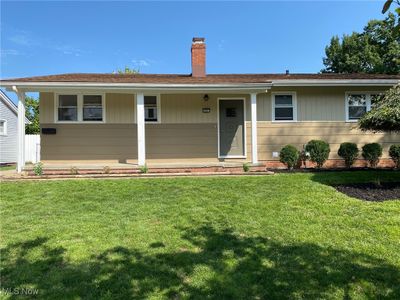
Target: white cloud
[
  {"x": 9, "y": 52},
  {"x": 26, "y": 39},
  {"x": 22, "y": 39},
  {"x": 142, "y": 62}
]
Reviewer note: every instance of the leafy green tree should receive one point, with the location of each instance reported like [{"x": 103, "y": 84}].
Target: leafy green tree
[
  {"x": 375, "y": 50},
  {"x": 32, "y": 114},
  {"x": 128, "y": 70},
  {"x": 385, "y": 115},
  {"x": 387, "y": 6}
]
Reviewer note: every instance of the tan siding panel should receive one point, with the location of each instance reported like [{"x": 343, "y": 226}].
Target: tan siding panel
[
  {"x": 119, "y": 142},
  {"x": 120, "y": 108},
  {"x": 46, "y": 107},
  {"x": 273, "y": 136},
  {"x": 187, "y": 108},
  {"x": 90, "y": 142},
  {"x": 178, "y": 141},
  {"x": 313, "y": 103}
]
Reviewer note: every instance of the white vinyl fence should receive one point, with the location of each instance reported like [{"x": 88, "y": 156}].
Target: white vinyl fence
[{"x": 32, "y": 148}]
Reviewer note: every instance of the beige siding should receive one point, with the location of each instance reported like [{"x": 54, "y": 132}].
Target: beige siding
[
  {"x": 118, "y": 142},
  {"x": 186, "y": 134},
  {"x": 181, "y": 141},
  {"x": 90, "y": 142},
  {"x": 187, "y": 108},
  {"x": 273, "y": 136},
  {"x": 120, "y": 108},
  {"x": 46, "y": 108},
  {"x": 313, "y": 103}
]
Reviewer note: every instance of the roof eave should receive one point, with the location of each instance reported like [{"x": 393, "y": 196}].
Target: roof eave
[
  {"x": 336, "y": 82},
  {"x": 37, "y": 86}
]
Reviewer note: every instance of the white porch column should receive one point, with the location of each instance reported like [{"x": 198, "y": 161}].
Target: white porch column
[
  {"x": 254, "y": 153},
  {"x": 21, "y": 132},
  {"x": 140, "y": 129}
]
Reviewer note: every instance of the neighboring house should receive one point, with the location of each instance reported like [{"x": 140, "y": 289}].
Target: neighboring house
[
  {"x": 8, "y": 130},
  {"x": 199, "y": 118}
]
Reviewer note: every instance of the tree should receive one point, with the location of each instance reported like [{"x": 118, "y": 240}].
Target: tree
[
  {"x": 385, "y": 116},
  {"x": 32, "y": 114},
  {"x": 375, "y": 50},
  {"x": 127, "y": 70},
  {"x": 386, "y": 7}
]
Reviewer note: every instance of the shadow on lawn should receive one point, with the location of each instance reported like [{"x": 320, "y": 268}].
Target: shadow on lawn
[
  {"x": 231, "y": 266},
  {"x": 333, "y": 178}
]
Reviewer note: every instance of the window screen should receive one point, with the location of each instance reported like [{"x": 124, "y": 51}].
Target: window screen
[{"x": 67, "y": 108}]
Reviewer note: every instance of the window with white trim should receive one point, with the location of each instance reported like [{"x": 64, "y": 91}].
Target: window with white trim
[
  {"x": 3, "y": 127},
  {"x": 284, "y": 107},
  {"x": 151, "y": 109},
  {"x": 357, "y": 104},
  {"x": 80, "y": 108}
]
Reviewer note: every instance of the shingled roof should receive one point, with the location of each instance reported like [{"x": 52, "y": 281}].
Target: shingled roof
[{"x": 189, "y": 79}]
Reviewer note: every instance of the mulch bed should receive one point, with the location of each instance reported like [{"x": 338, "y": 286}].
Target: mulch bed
[{"x": 372, "y": 191}]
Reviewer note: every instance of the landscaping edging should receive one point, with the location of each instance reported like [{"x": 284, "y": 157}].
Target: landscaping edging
[{"x": 135, "y": 175}]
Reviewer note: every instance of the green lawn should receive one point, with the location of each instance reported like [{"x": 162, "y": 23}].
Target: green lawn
[
  {"x": 6, "y": 168},
  {"x": 272, "y": 237}
]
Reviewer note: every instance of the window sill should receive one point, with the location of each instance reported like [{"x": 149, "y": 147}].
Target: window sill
[
  {"x": 284, "y": 121},
  {"x": 80, "y": 122}
]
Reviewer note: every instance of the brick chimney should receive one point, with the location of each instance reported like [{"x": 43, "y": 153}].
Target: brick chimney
[{"x": 198, "y": 57}]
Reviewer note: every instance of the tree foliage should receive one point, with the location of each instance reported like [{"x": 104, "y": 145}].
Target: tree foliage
[
  {"x": 32, "y": 114},
  {"x": 387, "y": 6},
  {"x": 375, "y": 50},
  {"x": 128, "y": 70},
  {"x": 385, "y": 115}
]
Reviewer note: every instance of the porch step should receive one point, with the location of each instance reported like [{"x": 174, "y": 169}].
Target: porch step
[{"x": 164, "y": 169}]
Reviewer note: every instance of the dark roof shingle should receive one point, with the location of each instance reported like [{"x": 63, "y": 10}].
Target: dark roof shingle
[{"x": 188, "y": 79}]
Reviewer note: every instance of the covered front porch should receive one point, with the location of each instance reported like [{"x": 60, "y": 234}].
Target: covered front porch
[{"x": 162, "y": 144}]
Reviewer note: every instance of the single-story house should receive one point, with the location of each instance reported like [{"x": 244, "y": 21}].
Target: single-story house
[
  {"x": 199, "y": 118},
  {"x": 8, "y": 130}
]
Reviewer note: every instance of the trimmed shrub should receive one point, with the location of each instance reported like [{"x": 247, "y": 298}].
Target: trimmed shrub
[
  {"x": 289, "y": 155},
  {"x": 246, "y": 167},
  {"x": 349, "y": 152},
  {"x": 372, "y": 152},
  {"x": 394, "y": 152},
  {"x": 318, "y": 151}
]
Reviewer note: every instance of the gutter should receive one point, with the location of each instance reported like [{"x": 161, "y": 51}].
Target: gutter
[
  {"x": 134, "y": 86},
  {"x": 336, "y": 82},
  {"x": 41, "y": 86}
]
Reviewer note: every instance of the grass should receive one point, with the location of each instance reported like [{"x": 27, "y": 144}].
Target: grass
[
  {"x": 6, "y": 168},
  {"x": 272, "y": 237}
]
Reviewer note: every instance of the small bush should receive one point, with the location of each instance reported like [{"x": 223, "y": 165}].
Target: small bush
[
  {"x": 246, "y": 167},
  {"x": 106, "y": 170},
  {"x": 289, "y": 155},
  {"x": 372, "y": 152},
  {"x": 144, "y": 169},
  {"x": 349, "y": 152},
  {"x": 73, "y": 170},
  {"x": 318, "y": 151},
  {"x": 38, "y": 169},
  {"x": 394, "y": 152}
]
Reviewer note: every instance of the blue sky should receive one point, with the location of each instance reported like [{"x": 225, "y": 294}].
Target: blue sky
[{"x": 39, "y": 38}]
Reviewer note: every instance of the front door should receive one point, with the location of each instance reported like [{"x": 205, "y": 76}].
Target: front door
[{"x": 231, "y": 128}]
